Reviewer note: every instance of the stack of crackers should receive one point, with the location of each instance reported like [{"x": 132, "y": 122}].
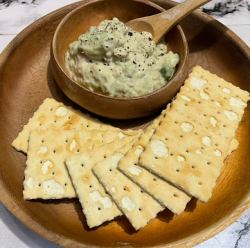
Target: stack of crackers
[{"x": 133, "y": 172}]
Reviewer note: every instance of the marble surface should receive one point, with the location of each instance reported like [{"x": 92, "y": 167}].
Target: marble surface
[{"x": 17, "y": 14}]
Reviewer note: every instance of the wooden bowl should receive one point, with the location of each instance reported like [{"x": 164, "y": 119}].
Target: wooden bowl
[
  {"x": 92, "y": 13},
  {"x": 26, "y": 81}
]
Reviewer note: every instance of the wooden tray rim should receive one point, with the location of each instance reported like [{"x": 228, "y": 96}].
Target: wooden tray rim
[{"x": 22, "y": 216}]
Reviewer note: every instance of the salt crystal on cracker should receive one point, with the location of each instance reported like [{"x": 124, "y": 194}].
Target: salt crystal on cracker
[
  {"x": 207, "y": 145},
  {"x": 96, "y": 204},
  {"x": 56, "y": 114},
  {"x": 45, "y": 175},
  {"x": 136, "y": 205},
  {"x": 168, "y": 195}
]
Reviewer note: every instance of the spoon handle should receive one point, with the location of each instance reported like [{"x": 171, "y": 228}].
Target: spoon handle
[{"x": 165, "y": 20}]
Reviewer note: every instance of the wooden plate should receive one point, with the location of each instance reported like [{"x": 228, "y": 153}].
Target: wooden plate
[{"x": 25, "y": 80}]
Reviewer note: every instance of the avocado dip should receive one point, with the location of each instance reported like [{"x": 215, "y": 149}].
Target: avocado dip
[{"x": 114, "y": 60}]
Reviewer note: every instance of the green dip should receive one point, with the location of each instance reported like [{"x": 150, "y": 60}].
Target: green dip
[{"x": 119, "y": 62}]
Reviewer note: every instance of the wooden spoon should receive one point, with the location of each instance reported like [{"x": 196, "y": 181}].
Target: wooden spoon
[{"x": 160, "y": 24}]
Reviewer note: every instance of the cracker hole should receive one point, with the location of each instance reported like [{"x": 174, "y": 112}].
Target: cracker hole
[
  {"x": 110, "y": 170},
  {"x": 104, "y": 156},
  {"x": 200, "y": 183},
  {"x": 53, "y": 173},
  {"x": 51, "y": 109},
  {"x": 199, "y": 102},
  {"x": 42, "y": 141},
  {"x": 154, "y": 179},
  {"x": 171, "y": 154},
  {"x": 212, "y": 100},
  {"x": 218, "y": 112},
  {"x": 208, "y": 163},
  {"x": 156, "y": 157},
  {"x": 39, "y": 184},
  {"x": 175, "y": 195},
  {"x": 139, "y": 209},
  {"x": 77, "y": 150},
  {"x": 41, "y": 162},
  {"x": 204, "y": 115},
  {"x": 82, "y": 164},
  {"x": 195, "y": 133},
  {"x": 193, "y": 167},
  {"x": 202, "y": 148},
  {"x": 54, "y": 151},
  {"x": 187, "y": 151},
  {"x": 90, "y": 186},
  {"x": 65, "y": 184},
  {"x": 216, "y": 144},
  {"x": 186, "y": 104},
  {"x": 142, "y": 191},
  {"x": 176, "y": 122},
  {"x": 99, "y": 209},
  {"x": 181, "y": 136},
  {"x": 219, "y": 86},
  {"x": 40, "y": 124},
  {"x": 177, "y": 170},
  {"x": 69, "y": 117},
  {"x": 125, "y": 188},
  {"x": 166, "y": 139},
  {"x": 224, "y": 125},
  {"x": 87, "y": 126},
  {"x": 66, "y": 141},
  {"x": 54, "y": 121}
]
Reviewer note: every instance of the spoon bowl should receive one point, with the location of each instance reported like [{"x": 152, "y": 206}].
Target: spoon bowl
[
  {"x": 92, "y": 13},
  {"x": 159, "y": 24}
]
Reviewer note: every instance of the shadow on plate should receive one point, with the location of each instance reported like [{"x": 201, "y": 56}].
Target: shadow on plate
[
  {"x": 121, "y": 221},
  {"x": 208, "y": 35},
  {"x": 54, "y": 201},
  {"x": 191, "y": 206},
  {"x": 165, "y": 216}
]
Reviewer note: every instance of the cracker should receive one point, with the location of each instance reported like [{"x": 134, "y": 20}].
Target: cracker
[
  {"x": 45, "y": 175},
  {"x": 53, "y": 113},
  {"x": 199, "y": 127},
  {"x": 96, "y": 204},
  {"x": 135, "y": 204},
  {"x": 168, "y": 195}
]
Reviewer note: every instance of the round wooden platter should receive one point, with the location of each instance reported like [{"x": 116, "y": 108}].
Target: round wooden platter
[{"x": 25, "y": 80}]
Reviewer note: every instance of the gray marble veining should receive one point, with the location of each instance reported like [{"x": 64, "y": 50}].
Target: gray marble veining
[{"x": 24, "y": 12}]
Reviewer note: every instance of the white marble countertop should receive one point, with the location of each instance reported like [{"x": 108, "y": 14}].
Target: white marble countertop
[{"x": 17, "y": 14}]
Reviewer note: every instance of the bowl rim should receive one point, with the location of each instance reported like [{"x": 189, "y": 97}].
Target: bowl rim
[{"x": 164, "y": 87}]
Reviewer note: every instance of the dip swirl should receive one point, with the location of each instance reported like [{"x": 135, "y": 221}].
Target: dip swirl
[{"x": 116, "y": 61}]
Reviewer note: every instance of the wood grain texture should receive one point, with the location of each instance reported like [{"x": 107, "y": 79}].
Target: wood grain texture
[
  {"x": 26, "y": 80},
  {"x": 161, "y": 23}
]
